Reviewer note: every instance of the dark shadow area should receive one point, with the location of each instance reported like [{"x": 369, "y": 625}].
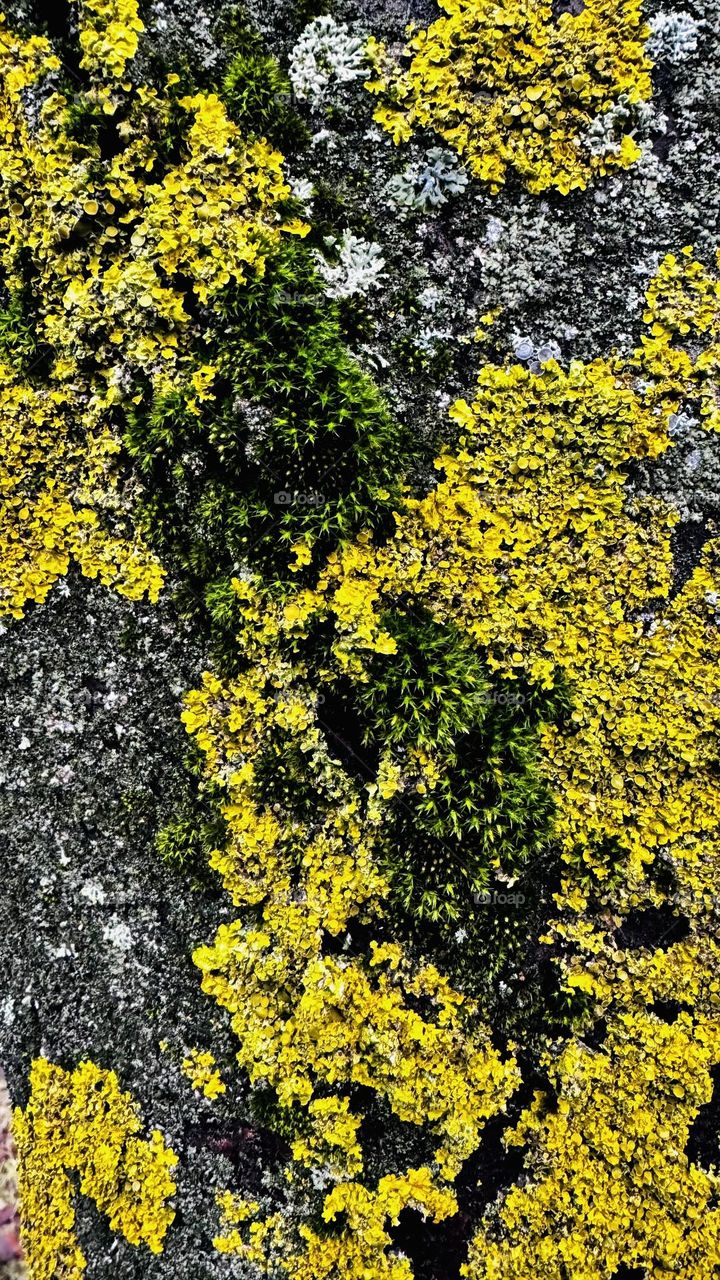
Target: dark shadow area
[
  {"x": 653, "y": 928},
  {"x": 702, "y": 1145}
]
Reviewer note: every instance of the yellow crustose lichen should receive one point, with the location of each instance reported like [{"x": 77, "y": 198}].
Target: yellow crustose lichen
[
  {"x": 609, "y": 1181},
  {"x": 108, "y": 241},
  {"x": 358, "y": 1251},
  {"x": 512, "y": 88},
  {"x": 308, "y": 1023},
  {"x": 54, "y": 483},
  {"x": 531, "y": 545},
  {"x": 304, "y": 1019},
  {"x": 200, "y": 1069},
  {"x": 80, "y": 1123}
]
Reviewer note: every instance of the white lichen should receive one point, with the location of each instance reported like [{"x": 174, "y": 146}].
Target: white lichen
[
  {"x": 429, "y": 183},
  {"x": 358, "y": 267},
  {"x": 93, "y": 891},
  {"x": 604, "y": 135},
  {"x": 326, "y": 53},
  {"x": 674, "y": 37},
  {"x": 117, "y": 933}
]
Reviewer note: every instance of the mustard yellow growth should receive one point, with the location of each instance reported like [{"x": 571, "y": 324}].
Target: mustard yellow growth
[
  {"x": 54, "y": 485},
  {"x": 333, "y": 1138},
  {"x": 107, "y": 241},
  {"x": 109, "y": 35},
  {"x": 81, "y": 1123},
  {"x": 304, "y": 1019},
  {"x": 512, "y": 88},
  {"x": 683, "y": 309},
  {"x": 531, "y": 545},
  {"x": 609, "y": 1178},
  {"x": 611, "y": 1182},
  {"x": 200, "y": 1069},
  {"x": 311, "y": 1025},
  {"x": 246, "y": 1234},
  {"x": 358, "y": 1251}
]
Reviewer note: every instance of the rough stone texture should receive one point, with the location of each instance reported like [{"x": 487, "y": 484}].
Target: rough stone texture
[
  {"x": 95, "y": 949},
  {"x": 95, "y": 953}
]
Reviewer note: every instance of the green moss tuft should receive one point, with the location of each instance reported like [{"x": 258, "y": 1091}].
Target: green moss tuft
[{"x": 297, "y": 443}]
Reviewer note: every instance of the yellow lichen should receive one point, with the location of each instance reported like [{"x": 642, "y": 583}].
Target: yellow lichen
[
  {"x": 531, "y": 545},
  {"x": 303, "y": 1019},
  {"x": 81, "y": 1123},
  {"x": 512, "y": 88},
  {"x": 106, "y": 243},
  {"x": 359, "y": 1250},
  {"x": 200, "y": 1069},
  {"x": 610, "y": 1182},
  {"x": 109, "y": 35}
]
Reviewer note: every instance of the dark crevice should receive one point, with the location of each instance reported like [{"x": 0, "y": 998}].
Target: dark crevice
[
  {"x": 437, "y": 1251},
  {"x": 686, "y": 544},
  {"x": 702, "y": 1145},
  {"x": 573, "y": 7},
  {"x": 596, "y": 1036},
  {"x": 55, "y": 17},
  {"x": 655, "y": 928},
  {"x": 344, "y": 732},
  {"x": 669, "y": 1010}
]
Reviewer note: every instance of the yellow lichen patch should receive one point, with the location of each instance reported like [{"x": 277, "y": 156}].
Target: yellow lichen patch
[
  {"x": 534, "y": 548},
  {"x": 109, "y": 35},
  {"x": 305, "y": 1021},
  {"x": 512, "y": 88},
  {"x": 610, "y": 1182},
  {"x": 530, "y": 544},
  {"x": 81, "y": 1123},
  {"x": 359, "y": 1250},
  {"x": 97, "y": 247},
  {"x": 683, "y": 307},
  {"x": 200, "y": 1069},
  {"x": 334, "y": 1134},
  {"x": 254, "y": 1239},
  {"x": 54, "y": 487}
]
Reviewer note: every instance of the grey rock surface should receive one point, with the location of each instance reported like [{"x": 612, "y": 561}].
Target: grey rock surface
[{"x": 95, "y": 952}]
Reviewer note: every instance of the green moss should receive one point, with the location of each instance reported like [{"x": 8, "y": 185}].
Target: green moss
[
  {"x": 433, "y": 688},
  {"x": 285, "y": 1123},
  {"x": 17, "y": 335},
  {"x": 186, "y": 842},
  {"x": 490, "y": 807},
  {"x": 303, "y": 11},
  {"x": 257, "y": 94},
  {"x": 298, "y": 443},
  {"x": 197, "y": 826}
]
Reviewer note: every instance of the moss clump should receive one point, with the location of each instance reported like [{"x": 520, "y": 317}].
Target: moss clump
[
  {"x": 257, "y": 94},
  {"x": 187, "y": 840},
  {"x": 485, "y": 805},
  {"x": 295, "y": 443}
]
